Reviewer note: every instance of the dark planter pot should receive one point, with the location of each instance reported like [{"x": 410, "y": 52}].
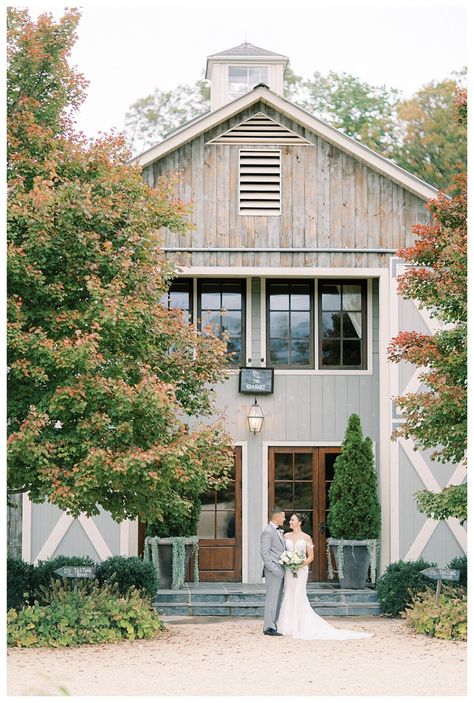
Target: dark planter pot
[
  {"x": 165, "y": 551},
  {"x": 355, "y": 566}
]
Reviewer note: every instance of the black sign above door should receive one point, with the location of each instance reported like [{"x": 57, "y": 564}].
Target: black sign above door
[{"x": 256, "y": 380}]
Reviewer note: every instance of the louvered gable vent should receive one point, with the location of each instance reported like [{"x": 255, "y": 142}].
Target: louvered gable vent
[
  {"x": 260, "y": 182},
  {"x": 260, "y": 129}
]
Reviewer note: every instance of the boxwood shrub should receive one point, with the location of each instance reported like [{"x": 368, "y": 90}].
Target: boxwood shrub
[
  {"x": 397, "y": 586},
  {"x": 128, "y": 572},
  {"x": 21, "y": 582}
]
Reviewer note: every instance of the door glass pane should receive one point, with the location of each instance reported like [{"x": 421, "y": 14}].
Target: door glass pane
[
  {"x": 299, "y": 324},
  {"x": 351, "y": 297},
  {"x": 206, "y": 524},
  {"x": 208, "y": 500},
  {"x": 329, "y": 460},
  {"x": 279, "y": 351},
  {"x": 331, "y": 355},
  {"x": 331, "y": 324},
  {"x": 283, "y": 467},
  {"x": 351, "y": 353},
  {"x": 304, "y": 466},
  {"x": 303, "y": 496},
  {"x": 300, "y": 352},
  {"x": 225, "y": 528},
  {"x": 226, "y": 497},
  {"x": 279, "y": 324},
  {"x": 283, "y": 493},
  {"x": 330, "y": 297}
]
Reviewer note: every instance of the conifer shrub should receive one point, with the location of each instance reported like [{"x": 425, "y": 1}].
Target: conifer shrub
[
  {"x": 128, "y": 572},
  {"x": 400, "y": 583},
  {"x": 91, "y": 615},
  {"x": 445, "y": 619},
  {"x": 354, "y": 508},
  {"x": 21, "y": 582}
]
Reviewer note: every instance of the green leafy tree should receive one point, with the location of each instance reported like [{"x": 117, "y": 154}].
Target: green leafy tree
[
  {"x": 104, "y": 382},
  {"x": 436, "y": 417},
  {"x": 354, "y": 508},
  {"x": 433, "y": 143},
  {"x": 149, "y": 119},
  {"x": 362, "y": 111}
]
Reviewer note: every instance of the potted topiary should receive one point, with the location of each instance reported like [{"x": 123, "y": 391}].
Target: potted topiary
[
  {"x": 354, "y": 510},
  {"x": 170, "y": 542}
]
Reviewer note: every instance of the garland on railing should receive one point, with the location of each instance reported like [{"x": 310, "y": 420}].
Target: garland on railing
[
  {"x": 372, "y": 547},
  {"x": 178, "y": 551}
]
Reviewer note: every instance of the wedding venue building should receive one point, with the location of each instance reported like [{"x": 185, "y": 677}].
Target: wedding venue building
[{"x": 293, "y": 253}]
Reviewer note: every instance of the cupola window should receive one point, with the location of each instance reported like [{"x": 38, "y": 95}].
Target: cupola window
[{"x": 244, "y": 78}]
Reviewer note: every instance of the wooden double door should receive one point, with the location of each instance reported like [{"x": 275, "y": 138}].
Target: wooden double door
[{"x": 298, "y": 481}]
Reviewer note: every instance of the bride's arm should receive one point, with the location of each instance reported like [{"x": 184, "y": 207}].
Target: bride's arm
[{"x": 309, "y": 552}]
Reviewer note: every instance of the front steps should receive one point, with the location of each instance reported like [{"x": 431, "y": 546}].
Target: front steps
[{"x": 247, "y": 600}]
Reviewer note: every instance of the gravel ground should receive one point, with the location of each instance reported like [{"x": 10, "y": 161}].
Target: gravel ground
[{"x": 230, "y": 656}]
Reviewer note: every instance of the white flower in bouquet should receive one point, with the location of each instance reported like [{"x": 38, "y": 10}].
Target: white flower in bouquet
[{"x": 292, "y": 560}]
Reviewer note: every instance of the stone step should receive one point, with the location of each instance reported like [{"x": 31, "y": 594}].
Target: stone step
[
  {"x": 321, "y": 596},
  {"x": 254, "y": 609}
]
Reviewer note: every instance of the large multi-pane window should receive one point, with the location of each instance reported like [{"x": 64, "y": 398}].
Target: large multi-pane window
[
  {"x": 289, "y": 324},
  {"x": 179, "y": 296},
  {"x": 244, "y": 78},
  {"x": 342, "y": 325},
  {"x": 221, "y": 308}
]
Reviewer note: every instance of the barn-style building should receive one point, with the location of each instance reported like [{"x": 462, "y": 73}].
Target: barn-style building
[{"x": 293, "y": 253}]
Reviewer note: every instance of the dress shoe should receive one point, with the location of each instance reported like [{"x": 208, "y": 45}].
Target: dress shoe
[{"x": 272, "y": 632}]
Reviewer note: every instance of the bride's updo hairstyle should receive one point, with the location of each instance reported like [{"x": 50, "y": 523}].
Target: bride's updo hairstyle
[{"x": 301, "y": 517}]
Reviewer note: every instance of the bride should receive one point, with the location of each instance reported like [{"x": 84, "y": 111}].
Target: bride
[{"x": 297, "y": 618}]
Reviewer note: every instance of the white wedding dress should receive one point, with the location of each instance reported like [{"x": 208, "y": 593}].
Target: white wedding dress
[{"x": 296, "y": 617}]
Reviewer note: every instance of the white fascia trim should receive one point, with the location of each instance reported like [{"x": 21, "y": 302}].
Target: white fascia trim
[
  {"x": 385, "y": 429},
  {"x": 245, "y": 510},
  {"x": 26, "y": 510},
  {"x": 248, "y": 320},
  {"x": 305, "y": 119},
  {"x": 278, "y": 272}
]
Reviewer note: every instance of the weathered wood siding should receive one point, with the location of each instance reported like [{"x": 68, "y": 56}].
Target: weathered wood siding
[{"x": 329, "y": 200}]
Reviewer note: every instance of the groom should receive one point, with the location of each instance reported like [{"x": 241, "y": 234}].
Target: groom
[{"x": 272, "y": 545}]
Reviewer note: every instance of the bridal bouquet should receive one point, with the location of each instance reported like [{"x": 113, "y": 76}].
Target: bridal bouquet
[{"x": 292, "y": 560}]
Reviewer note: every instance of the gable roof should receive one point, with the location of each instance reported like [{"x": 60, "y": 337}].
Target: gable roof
[
  {"x": 330, "y": 134},
  {"x": 260, "y": 129}
]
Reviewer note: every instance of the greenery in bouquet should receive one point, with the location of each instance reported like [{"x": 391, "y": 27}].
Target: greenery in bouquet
[{"x": 292, "y": 561}]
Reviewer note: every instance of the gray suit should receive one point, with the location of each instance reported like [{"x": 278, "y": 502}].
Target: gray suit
[{"x": 272, "y": 545}]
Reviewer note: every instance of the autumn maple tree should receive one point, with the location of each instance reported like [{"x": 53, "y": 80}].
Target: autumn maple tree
[
  {"x": 436, "y": 416},
  {"x": 105, "y": 384}
]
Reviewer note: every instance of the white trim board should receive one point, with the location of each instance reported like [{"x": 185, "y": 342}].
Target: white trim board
[{"x": 304, "y": 119}]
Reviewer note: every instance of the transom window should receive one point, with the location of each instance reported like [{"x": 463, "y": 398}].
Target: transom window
[
  {"x": 342, "y": 324},
  {"x": 244, "y": 78},
  {"x": 221, "y": 308},
  {"x": 289, "y": 324}
]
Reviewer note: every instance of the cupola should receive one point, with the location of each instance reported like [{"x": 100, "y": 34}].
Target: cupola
[{"x": 234, "y": 72}]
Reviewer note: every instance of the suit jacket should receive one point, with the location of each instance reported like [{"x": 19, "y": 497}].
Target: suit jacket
[{"x": 272, "y": 544}]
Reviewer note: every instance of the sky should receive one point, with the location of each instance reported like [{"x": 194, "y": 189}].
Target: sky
[{"x": 127, "y": 52}]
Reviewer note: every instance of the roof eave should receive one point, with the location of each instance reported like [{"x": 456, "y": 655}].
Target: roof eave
[{"x": 331, "y": 134}]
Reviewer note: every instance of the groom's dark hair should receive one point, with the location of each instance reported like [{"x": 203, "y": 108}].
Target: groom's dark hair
[{"x": 276, "y": 509}]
